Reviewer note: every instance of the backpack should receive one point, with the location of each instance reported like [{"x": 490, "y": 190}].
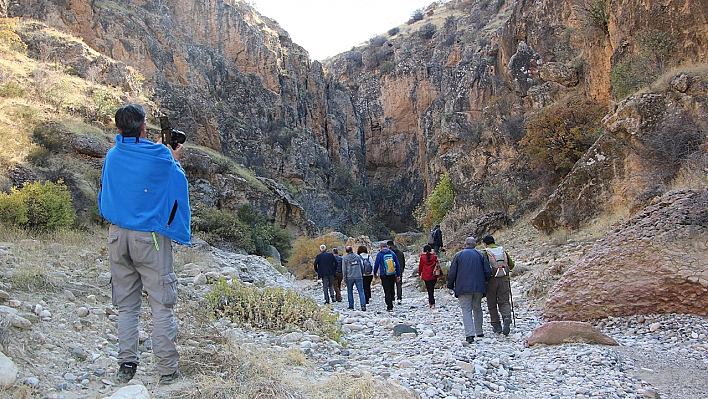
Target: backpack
[
  {"x": 437, "y": 271},
  {"x": 431, "y": 237},
  {"x": 498, "y": 261},
  {"x": 389, "y": 264},
  {"x": 368, "y": 267}
]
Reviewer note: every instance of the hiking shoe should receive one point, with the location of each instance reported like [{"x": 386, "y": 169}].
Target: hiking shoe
[
  {"x": 170, "y": 378},
  {"x": 400, "y": 302},
  {"x": 126, "y": 372},
  {"x": 363, "y": 308},
  {"x": 480, "y": 335},
  {"x": 351, "y": 308},
  {"x": 507, "y": 324},
  {"x": 469, "y": 339},
  {"x": 497, "y": 329}
]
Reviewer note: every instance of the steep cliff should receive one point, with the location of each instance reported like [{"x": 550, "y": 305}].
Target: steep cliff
[{"x": 372, "y": 130}]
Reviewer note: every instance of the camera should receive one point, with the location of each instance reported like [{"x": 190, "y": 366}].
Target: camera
[{"x": 171, "y": 136}]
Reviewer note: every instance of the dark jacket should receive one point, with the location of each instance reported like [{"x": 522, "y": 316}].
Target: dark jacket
[
  {"x": 325, "y": 264},
  {"x": 437, "y": 235},
  {"x": 339, "y": 263},
  {"x": 380, "y": 268},
  {"x": 469, "y": 272},
  {"x": 401, "y": 258}
]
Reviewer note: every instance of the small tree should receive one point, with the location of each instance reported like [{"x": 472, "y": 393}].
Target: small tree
[{"x": 437, "y": 205}]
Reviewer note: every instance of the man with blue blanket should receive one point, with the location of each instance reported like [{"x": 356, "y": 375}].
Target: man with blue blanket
[{"x": 144, "y": 196}]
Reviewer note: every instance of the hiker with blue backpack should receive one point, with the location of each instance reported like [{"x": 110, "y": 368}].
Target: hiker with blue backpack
[
  {"x": 368, "y": 263},
  {"x": 388, "y": 269}
]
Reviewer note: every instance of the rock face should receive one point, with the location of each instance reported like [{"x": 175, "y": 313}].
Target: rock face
[
  {"x": 561, "y": 332},
  {"x": 373, "y": 131},
  {"x": 647, "y": 136},
  {"x": 656, "y": 262}
]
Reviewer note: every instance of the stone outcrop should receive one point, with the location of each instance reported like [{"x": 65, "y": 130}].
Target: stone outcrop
[
  {"x": 647, "y": 136},
  {"x": 656, "y": 262},
  {"x": 562, "y": 332}
]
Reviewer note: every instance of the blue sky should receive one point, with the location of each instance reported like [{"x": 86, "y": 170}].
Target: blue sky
[{"x": 328, "y": 27}]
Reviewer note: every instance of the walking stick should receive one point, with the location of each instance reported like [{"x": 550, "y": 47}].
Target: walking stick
[{"x": 511, "y": 299}]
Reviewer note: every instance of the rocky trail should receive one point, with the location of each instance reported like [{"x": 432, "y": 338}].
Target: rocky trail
[{"x": 63, "y": 344}]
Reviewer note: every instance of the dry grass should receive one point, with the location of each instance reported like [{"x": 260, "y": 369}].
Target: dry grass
[
  {"x": 662, "y": 82},
  {"x": 45, "y": 262},
  {"x": 305, "y": 250},
  {"x": 694, "y": 174}
]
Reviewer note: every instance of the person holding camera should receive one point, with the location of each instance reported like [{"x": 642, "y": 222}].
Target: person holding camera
[{"x": 145, "y": 198}]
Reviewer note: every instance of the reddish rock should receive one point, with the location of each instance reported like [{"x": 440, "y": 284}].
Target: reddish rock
[
  {"x": 560, "y": 332},
  {"x": 656, "y": 262}
]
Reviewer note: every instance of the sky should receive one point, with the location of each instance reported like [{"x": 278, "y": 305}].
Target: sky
[{"x": 329, "y": 27}]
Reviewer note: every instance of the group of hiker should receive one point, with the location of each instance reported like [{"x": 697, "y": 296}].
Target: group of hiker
[
  {"x": 473, "y": 275},
  {"x": 360, "y": 270}
]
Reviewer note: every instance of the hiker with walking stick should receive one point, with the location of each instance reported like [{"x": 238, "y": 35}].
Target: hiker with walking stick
[{"x": 499, "y": 286}]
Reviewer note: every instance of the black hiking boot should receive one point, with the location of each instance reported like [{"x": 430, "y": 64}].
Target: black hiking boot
[
  {"x": 126, "y": 372},
  {"x": 507, "y": 325}
]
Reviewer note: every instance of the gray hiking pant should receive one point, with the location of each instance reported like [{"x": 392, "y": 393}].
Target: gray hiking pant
[
  {"x": 498, "y": 299},
  {"x": 136, "y": 262},
  {"x": 471, "y": 306}
]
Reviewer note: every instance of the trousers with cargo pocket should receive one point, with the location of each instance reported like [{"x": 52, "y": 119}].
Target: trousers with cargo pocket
[{"x": 144, "y": 260}]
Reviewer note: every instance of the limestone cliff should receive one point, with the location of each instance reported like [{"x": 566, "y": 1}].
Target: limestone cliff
[{"x": 372, "y": 130}]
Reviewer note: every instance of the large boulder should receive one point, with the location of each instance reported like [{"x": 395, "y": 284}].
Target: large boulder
[
  {"x": 8, "y": 371},
  {"x": 656, "y": 262},
  {"x": 561, "y": 332}
]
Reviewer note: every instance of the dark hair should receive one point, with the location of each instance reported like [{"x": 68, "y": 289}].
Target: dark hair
[
  {"x": 427, "y": 249},
  {"x": 488, "y": 240},
  {"x": 362, "y": 250},
  {"x": 335, "y": 251},
  {"x": 129, "y": 120},
  {"x": 389, "y": 242},
  {"x": 348, "y": 249}
]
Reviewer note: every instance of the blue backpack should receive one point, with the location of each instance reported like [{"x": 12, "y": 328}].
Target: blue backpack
[{"x": 389, "y": 264}]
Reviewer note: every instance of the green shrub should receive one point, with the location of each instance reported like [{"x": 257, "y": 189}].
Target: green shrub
[
  {"x": 11, "y": 89},
  {"x": 219, "y": 227},
  {"x": 558, "y": 136},
  {"x": 416, "y": 16},
  {"x": 437, "y": 205},
  {"x": 387, "y": 67},
  {"x": 598, "y": 16},
  {"x": 393, "y": 31},
  {"x": 48, "y": 136},
  {"x": 39, "y": 206},
  {"x": 427, "y": 31},
  {"x": 654, "y": 55},
  {"x": 271, "y": 309},
  {"x": 263, "y": 233},
  {"x": 13, "y": 211},
  {"x": 248, "y": 229},
  {"x": 103, "y": 106}
]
